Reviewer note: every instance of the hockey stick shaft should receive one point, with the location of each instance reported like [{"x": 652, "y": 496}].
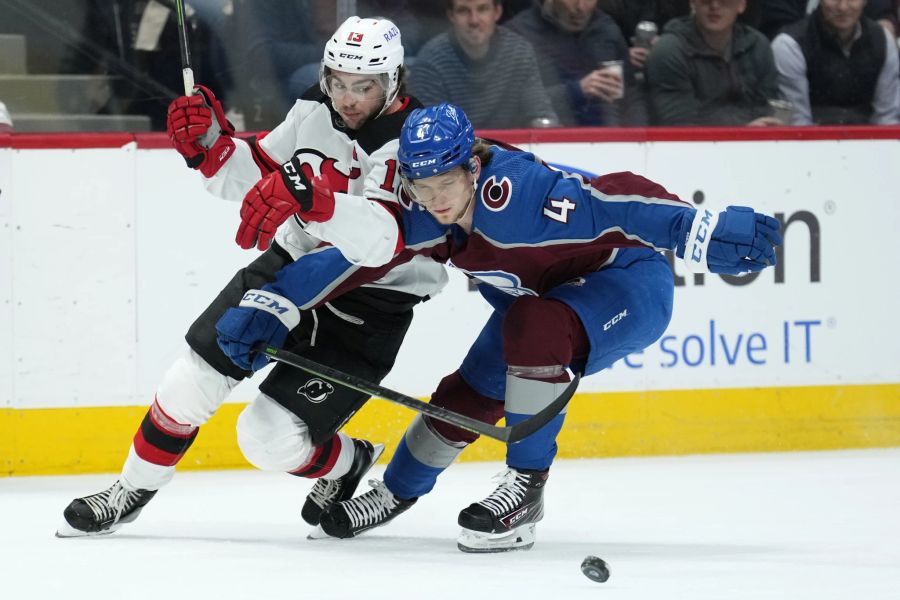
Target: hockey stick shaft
[
  {"x": 187, "y": 72},
  {"x": 510, "y": 435}
]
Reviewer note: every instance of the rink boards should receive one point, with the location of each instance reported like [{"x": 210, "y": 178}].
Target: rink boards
[{"x": 110, "y": 247}]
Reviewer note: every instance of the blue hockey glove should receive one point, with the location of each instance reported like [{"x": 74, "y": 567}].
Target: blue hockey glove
[
  {"x": 735, "y": 241},
  {"x": 260, "y": 317}
]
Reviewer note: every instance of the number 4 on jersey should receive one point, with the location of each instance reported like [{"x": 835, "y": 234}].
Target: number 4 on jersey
[{"x": 563, "y": 206}]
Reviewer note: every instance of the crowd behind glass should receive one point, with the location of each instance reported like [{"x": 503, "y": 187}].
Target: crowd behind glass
[{"x": 508, "y": 63}]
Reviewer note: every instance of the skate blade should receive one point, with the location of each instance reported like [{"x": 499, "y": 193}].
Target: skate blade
[
  {"x": 67, "y": 531},
  {"x": 318, "y": 534},
  {"x": 377, "y": 451},
  {"x": 479, "y": 542}
]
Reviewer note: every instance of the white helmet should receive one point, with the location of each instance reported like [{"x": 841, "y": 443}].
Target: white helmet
[{"x": 365, "y": 46}]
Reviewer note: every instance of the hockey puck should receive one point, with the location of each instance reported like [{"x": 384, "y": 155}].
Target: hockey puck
[{"x": 595, "y": 569}]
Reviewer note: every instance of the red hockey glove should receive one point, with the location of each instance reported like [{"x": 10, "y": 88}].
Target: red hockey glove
[
  {"x": 276, "y": 197},
  {"x": 189, "y": 123}
]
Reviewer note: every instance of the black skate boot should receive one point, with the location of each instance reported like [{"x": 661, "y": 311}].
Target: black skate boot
[
  {"x": 352, "y": 517},
  {"x": 103, "y": 512},
  {"x": 328, "y": 491},
  {"x": 506, "y": 519}
]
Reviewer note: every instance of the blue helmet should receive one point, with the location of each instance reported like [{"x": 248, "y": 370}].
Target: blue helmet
[{"x": 434, "y": 140}]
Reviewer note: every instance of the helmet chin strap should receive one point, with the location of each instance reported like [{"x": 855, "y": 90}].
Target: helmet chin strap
[
  {"x": 389, "y": 97},
  {"x": 465, "y": 208},
  {"x": 387, "y": 104}
]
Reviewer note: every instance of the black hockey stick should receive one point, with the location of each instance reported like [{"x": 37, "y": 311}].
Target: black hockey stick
[
  {"x": 187, "y": 72},
  {"x": 510, "y": 435}
]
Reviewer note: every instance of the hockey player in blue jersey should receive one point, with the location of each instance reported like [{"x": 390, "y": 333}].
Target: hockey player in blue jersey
[{"x": 572, "y": 269}]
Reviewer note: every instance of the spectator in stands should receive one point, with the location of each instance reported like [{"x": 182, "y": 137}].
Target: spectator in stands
[
  {"x": 708, "y": 69},
  {"x": 776, "y": 14},
  {"x": 282, "y": 41},
  {"x": 137, "y": 42},
  {"x": 839, "y": 67},
  {"x": 6, "y": 125},
  {"x": 477, "y": 64},
  {"x": 282, "y": 46},
  {"x": 290, "y": 36},
  {"x": 575, "y": 38},
  {"x": 628, "y": 13},
  {"x": 401, "y": 13}
]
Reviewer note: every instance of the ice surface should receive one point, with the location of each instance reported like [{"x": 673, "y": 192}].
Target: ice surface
[{"x": 820, "y": 526}]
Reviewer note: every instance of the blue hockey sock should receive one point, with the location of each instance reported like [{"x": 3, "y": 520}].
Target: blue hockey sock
[
  {"x": 537, "y": 451},
  {"x": 406, "y": 477}
]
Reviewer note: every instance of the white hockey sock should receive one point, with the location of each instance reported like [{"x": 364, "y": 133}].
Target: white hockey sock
[
  {"x": 345, "y": 458},
  {"x": 139, "y": 474}
]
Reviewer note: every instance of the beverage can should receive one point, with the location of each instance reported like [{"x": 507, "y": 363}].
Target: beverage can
[
  {"x": 644, "y": 34},
  {"x": 618, "y": 68}
]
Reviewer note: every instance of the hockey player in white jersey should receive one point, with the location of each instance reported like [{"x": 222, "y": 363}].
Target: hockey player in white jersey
[
  {"x": 570, "y": 265},
  {"x": 343, "y": 134}
]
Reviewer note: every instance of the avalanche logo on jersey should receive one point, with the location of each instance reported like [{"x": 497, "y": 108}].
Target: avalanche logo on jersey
[
  {"x": 495, "y": 194},
  {"x": 316, "y": 390},
  {"x": 314, "y": 163},
  {"x": 508, "y": 283}
]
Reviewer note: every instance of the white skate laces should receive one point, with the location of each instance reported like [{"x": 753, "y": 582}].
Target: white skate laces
[
  {"x": 111, "y": 503},
  {"x": 509, "y": 493},
  {"x": 371, "y": 507},
  {"x": 324, "y": 492}
]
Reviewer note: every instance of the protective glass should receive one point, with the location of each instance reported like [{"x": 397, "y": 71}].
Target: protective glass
[
  {"x": 371, "y": 88},
  {"x": 426, "y": 191}
]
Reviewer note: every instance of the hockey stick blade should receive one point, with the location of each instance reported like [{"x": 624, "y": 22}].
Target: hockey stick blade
[{"x": 510, "y": 435}]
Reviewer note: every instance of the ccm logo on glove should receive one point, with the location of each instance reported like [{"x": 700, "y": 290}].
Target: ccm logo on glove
[
  {"x": 290, "y": 172},
  {"x": 280, "y": 194},
  {"x": 281, "y": 307},
  {"x": 704, "y": 224},
  {"x": 735, "y": 241}
]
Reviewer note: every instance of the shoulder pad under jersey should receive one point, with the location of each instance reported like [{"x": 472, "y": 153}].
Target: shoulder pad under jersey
[{"x": 376, "y": 133}]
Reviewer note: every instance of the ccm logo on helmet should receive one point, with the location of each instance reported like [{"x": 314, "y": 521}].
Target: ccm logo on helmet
[
  {"x": 422, "y": 163},
  {"x": 351, "y": 56}
]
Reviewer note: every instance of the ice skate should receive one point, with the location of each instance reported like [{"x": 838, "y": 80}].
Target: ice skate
[
  {"x": 104, "y": 512},
  {"x": 506, "y": 519},
  {"x": 327, "y": 492},
  {"x": 352, "y": 517}
]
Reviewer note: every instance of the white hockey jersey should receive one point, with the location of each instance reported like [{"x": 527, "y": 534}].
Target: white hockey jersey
[{"x": 359, "y": 165}]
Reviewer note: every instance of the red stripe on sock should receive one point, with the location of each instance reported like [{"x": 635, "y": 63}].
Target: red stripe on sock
[
  {"x": 167, "y": 424},
  {"x": 152, "y": 454},
  {"x": 300, "y": 471},
  {"x": 332, "y": 458}
]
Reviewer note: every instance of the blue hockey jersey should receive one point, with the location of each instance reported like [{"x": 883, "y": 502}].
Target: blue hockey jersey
[{"x": 533, "y": 228}]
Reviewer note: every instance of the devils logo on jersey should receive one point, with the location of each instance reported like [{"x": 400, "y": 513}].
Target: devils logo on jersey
[
  {"x": 316, "y": 390},
  {"x": 314, "y": 163},
  {"x": 495, "y": 194}
]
